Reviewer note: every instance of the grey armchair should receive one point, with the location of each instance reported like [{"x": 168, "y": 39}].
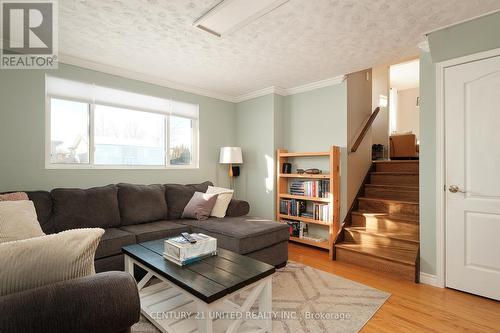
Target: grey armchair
[{"x": 102, "y": 303}]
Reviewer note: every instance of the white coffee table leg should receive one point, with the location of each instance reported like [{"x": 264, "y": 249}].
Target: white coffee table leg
[
  {"x": 266, "y": 304},
  {"x": 129, "y": 265},
  {"x": 205, "y": 323}
]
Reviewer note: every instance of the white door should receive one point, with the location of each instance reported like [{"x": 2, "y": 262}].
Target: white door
[{"x": 472, "y": 121}]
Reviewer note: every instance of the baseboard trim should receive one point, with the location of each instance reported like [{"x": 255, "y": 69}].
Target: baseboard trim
[{"x": 431, "y": 280}]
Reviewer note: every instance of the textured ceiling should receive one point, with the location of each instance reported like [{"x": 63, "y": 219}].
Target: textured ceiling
[{"x": 300, "y": 42}]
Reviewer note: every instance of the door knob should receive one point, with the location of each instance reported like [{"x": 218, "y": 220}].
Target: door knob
[{"x": 455, "y": 189}]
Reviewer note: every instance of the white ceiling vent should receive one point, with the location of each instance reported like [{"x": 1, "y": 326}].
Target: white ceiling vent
[{"x": 231, "y": 15}]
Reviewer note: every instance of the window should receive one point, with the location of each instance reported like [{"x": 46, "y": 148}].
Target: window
[
  {"x": 126, "y": 137},
  {"x": 180, "y": 140},
  {"x": 98, "y": 127},
  {"x": 69, "y": 141}
]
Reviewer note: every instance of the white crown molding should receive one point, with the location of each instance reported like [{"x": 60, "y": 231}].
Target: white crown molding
[
  {"x": 424, "y": 45},
  {"x": 259, "y": 93},
  {"x": 118, "y": 71},
  {"x": 316, "y": 85},
  {"x": 291, "y": 91},
  {"x": 113, "y": 70}
]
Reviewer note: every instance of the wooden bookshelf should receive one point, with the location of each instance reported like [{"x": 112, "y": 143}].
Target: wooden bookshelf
[
  {"x": 323, "y": 245},
  {"x": 303, "y": 175},
  {"x": 305, "y": 198},
  {"x": 333, "y": 175},
  {"x": 303, "y": 219},
  {"x": 308, "y": 154}
]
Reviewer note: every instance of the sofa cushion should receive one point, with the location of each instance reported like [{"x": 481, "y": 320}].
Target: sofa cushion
[
  {"x": 45, "y": 260},
  {"x": 18, "y": 221},
  {"x": 178, "y": 197},
  {"x": 155, "y": 230},
  {"x": 141, "y": 203},
  {"x": 112, "y": 242},
  {"x": 113, "y": 263},
  {"x": 43, "y": 207},
  {"x": 78, "y": 208},
  {"x": 242, "y": 234},
  {"x": 237, "y": 208}
]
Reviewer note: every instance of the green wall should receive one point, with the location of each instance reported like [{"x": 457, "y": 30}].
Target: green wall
[
  {"x": 481, "y": 34},
  {"x": 309, "y": 121},
  {"x": 255, "y": 134},
  {"x": 427, "y": 164},
  {"x": 259, "y": 126},
  {"x": 314, "y": 121},
  {"x": 22, "y": 134}
]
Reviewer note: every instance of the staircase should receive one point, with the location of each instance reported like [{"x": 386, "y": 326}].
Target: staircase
[{"x": 382, "y": 230}]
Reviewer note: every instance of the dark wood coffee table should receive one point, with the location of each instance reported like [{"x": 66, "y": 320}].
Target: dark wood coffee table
[{"x": 198, "y": 297}]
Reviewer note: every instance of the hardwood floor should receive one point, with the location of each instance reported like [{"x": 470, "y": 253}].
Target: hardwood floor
[{"x": 412, "y": 307}]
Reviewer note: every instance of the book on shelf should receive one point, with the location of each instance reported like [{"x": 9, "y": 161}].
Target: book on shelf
[
  {"x": 296, "y": 228},
  {"x": 310, "y": 188},
  {"x": 315, "y": 211},
  {"x": 321, "y": 212},
  {"x": 292, "y": 207}
]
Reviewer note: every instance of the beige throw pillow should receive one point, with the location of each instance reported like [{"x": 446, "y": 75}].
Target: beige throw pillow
[
  {"x": 18, "y": 221},
  {"x": 223, "y": 199},
  {"x": 39, "y": 261}
]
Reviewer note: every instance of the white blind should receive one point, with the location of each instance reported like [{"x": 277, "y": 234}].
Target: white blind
[{"x": 91, "y": 93}]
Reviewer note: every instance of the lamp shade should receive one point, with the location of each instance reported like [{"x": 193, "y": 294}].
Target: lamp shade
[{"x": 230, "y": 155}]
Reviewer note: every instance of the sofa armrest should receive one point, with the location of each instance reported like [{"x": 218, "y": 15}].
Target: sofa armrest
[
  {"x": 105, "y": 302},
  {"x": 237, "y": 208}
]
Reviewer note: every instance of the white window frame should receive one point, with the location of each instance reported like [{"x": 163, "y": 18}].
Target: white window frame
[{"x": 48, "y": 165}]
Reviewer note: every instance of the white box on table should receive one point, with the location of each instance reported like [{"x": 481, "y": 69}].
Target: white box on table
[{"x": 180, "y": 251}]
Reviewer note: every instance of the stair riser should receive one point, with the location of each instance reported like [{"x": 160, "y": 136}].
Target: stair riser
[
  {"x": 371, "y": 239},
  {"x": 394, "y": 180},
  {"x": 397, "y": 167},
  {"x": 406, "y": 272},
  {"x": 387, "y": 224},
  {"x": 393, "y": 208},
  {"x": 384, "y": 193}
]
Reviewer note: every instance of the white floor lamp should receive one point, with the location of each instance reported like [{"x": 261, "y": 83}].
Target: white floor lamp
[{"x": 231, "y": 155}]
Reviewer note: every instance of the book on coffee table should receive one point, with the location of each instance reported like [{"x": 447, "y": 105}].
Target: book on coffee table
[{"x": 181, "y": 252}]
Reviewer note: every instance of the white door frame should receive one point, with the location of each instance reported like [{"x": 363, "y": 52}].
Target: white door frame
[{"x": 440, "y": 159}]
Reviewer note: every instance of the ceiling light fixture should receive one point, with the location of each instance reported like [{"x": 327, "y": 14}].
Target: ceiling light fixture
[{"x": 230, "y": 15}]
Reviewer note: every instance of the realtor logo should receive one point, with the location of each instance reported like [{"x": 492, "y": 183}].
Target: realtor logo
[{"x": 29, "y": 34}]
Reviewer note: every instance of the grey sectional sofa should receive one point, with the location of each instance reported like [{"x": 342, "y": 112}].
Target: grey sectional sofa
[
  {"x": 138, "y": 213},
  {"x": 129, "y": 214}
]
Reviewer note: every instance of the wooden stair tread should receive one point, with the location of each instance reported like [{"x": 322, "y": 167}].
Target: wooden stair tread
[
  {"x": 403, "y": 218},
  {"x": 390, "y": 253},
  {"x": 396, "y": 161},
  {"x": 393, "y": 173},
  {"x": 410, "y": 237},
  {"x": 394, "y": 187},
  {"x": 383, "y": 232},
  {"x": 389, "y": 200}
]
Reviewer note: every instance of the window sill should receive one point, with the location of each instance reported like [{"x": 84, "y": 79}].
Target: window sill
[{"x": 49, "y": 166}]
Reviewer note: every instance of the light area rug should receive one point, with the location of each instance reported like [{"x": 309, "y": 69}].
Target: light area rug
[{"x": 307, "y": 300}]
